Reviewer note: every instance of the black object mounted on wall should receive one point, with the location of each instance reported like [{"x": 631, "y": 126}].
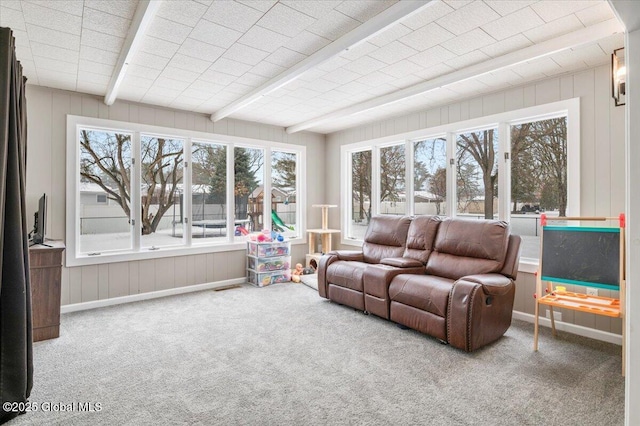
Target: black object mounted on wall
[{"x": 618, "y": 76}]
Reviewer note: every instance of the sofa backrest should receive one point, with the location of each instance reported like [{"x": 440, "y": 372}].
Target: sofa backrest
[
  {"x": 467, "y": 247},
  {"x": 421, "y": 237},
  {"x": 385, "y": 237}
]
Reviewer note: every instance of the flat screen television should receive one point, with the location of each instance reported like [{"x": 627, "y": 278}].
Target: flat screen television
[{"x": 40, "y": 221}]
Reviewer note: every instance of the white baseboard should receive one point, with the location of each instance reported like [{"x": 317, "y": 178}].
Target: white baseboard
[
  {"x": 146, "y": 296},
  {"x": 572, "y": 328}
]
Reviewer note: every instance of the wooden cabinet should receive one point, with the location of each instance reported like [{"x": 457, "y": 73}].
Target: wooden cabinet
[{"x": 46, "y": 276}]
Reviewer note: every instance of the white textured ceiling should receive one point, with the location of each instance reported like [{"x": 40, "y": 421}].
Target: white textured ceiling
[{"x": 203, "y": 55}]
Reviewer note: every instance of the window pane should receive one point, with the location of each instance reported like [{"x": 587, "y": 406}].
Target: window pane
[
  {"x": 538, "y": 178},
  {"x": 208, "y": 192},
  {"x": 477, "y": 173},
  {"x": 283, "y": 189},
  {"x": 392, "y": 177},
  {"x": 430, "y": 176},
  {"x": 105, "y": 191},
  {"x": 161, "y": 192},
  {"x": 360, "y": 194},
  {"x": 248, "y": 190}
]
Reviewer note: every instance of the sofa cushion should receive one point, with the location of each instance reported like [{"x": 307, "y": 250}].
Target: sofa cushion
[
  {"x": 466, "y": 247},
  {"x": 347, "y": 274},
  {"x": 385, "y": 237},
  {"x": 421, "y": 237},
  {"x": 425, "y": 292}
]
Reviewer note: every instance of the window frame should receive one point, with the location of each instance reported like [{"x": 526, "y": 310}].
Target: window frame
[
  {"x": 503, "y": 122},
  {"x": 230, "y": 243}
]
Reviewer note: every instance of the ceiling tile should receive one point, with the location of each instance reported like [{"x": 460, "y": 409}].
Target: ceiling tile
[
  {"x": 534, "y": 69},
  {"x": 230, "y": 67},
  {"x": 500, "y": 78},
  {"x": 267, "y": 69},
  {"x": 552, "y": 10},
  {"x": 238, "y": 89},
  {"x": 24, "y": 54},
  {"x": 333, "y": 64},
  {"x": 507, "y": 45},
  {"x": 206, "y": 87},
  {"x": 140, "y": 71},
  {"x": 467, "y": 87},
  {"x": 162, "y": 92},
  {"x": 365, "y": 65},
  {"x": 592, "y": 54},
  {"x": 96, "y": 68},
  {"x": 73, "y": 7},
  {"x": 312, "y": 75},
  {"x": 101, "y": 41},
  {"x": 184, "y": 11},
  {"x": 215, "y": 34},
  {"x": 158, "y": 47},
  {"x": 22, "y": 38},
  {"x": 358, "y": 51},
  {"x": 251, "y": 79},
  {"x": 393, "y": 52},
  {"x": 376, "y": 79},
  {"x": 406, "y": 81},
  {"x": 285, "y": 20},
  {"x": 52, "y": 37},
  {"x": 263, "y": 39},
  {"x": 611, "y": 43},
  {"x": 201, "y": 50},
  {"x": 568, "y": 60},
  {"x": 245, "y": 54},
  {"x": 122, "y": 8},
  {"x": 365, "y": 9},
  {"x": 179, "y": 74},
  {"x": 390, "y": 34},
  {"x": 333, "y": 25},
  {"x": 505, "y": 8},
  {"x": 427, "y": 37},
  {"x": 54, "y": 52},
  {"x": 170, "y": 31},
  {"x": 90, "y": 77},
  {"x": 98, "y": 55},
  {"x": 433, "y": 56},
  {"x": 323, "y": 85},
  {"x": 510, "y": 25},
  {"x": 52, "y": 19},
  {"x": 285, "y": 57},
  {"x": 554, "y": 29},
  {"x": 435, "y": 10},
  {"x": 189, "y": 63},
  {"x": 316, "y": 9},
  {"x": 105, "y": 23},
  {"x": 233, "y": 15},
  {"x": 595, "y": 14},
  {"x": 55, "y": 65},
  {"x": 11, "y": 18},
  {"x": 467, "y": 42},
  {"x": 169, "y": 83},
  {"x": 148, "y": 60},
  {"x": 261, "y": 5},
  {"x": 434, "y": 71},
  {"x": 307, "y": 43},
  {"x": 468, "y": 17},
  {"x": 85, "y": 86},
  {"x": 217, "y": 77},
  {"x": 402, "y": 69},
  {"x": 15, "y": 5},
  {"x": 304, "y": 93},
  {"x": 342, "y": 76},
  {"x": 468, "y": 59}
]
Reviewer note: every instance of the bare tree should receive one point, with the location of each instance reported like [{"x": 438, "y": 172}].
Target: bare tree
[
  {"x": 477, "y": 149},
  {"x": 361, "y": 182},
  {"x": 392, "y": 172},
  {"x": 438, "y": 186},
  {"x": 551, "y": 149}
]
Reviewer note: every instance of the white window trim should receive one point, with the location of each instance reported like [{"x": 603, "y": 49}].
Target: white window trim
[
  {"x": 569, "y": 108},
  {"x": 73, "y": 258}
]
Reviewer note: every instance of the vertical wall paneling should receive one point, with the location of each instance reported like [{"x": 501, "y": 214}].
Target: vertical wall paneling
[
  {"x": 237, "y": 266},
  {"x": 444, "y": 116},
  {"x": 146, "y": 115},
  {"x": 134, "y": 278},
  {"x": 566, "y": 87},
  {"x": 103, "y": 281},
  {"x": 180, "y": 271},
  {"x": 583, "y": 86},
  {"x": 147, "y": 275},
  {"x": 64, "y": 287},
  {"x": 200, "y": 267},
  {"x": 210, "y": 268},
  {"x": 548, "y": 91},
  {"x": 89, "y": 282},
  {"x": 191, "y": 273},
  {"x": 90, "y": 106},
  {"x": 514, "y": 99},
  {"x": 493, "y": 103},
  {"x": 39, "y": 140},
  {"x": 56, "y": 203},
  {"x": 602, "y": 152},
  {"x": 220, "y": 266},
  {"x": 165, "y": 269},
  {"x": 119, "y": 279},
  {"x": 75, "y": 285},
  {"x": 119, "y": 111},
  {"x": 529, "y": 96},
  {"x": 433, "y": 117}
]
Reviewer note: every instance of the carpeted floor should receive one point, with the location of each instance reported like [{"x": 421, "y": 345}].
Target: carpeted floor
[{"x": 281, "y": 355}]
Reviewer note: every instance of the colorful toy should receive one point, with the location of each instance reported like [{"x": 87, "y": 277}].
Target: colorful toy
[
  {"x": 240, "y": 230},
  {"x": 296, "y": 273}
]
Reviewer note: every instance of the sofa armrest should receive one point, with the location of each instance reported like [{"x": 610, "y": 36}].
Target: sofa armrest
[
  {"x": 476, "y": 318},
  {"x": 325, "y": 261},
  {"x": 401, "y": 262},
  {"x": 352, "y": 255},
  {"x": 492, "y": 284}
]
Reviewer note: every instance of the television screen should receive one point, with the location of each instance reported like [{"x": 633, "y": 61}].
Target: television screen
[{"x": 39, "y": 227}]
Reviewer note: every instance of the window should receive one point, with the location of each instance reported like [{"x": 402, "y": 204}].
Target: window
[
  {"x": 430, "y": 176},
  {"x": 477, "y": 173},
  {"x": 138, "y": 191},
  {"x": 360, "y": 201},
  {"x": 510, "y": 166}
]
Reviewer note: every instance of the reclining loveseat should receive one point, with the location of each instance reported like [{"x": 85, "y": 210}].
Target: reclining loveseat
[{"x": 450, "y": 278}]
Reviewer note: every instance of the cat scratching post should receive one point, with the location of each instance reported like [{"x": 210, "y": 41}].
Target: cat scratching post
[{"x": 313, "y": 258}]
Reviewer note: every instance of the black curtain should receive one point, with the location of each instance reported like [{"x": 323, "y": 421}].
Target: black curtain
[{"x": 16, "y": 358}]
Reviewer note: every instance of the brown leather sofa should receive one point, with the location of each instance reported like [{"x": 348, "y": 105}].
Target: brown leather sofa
[{"x": 446, "y": 277}]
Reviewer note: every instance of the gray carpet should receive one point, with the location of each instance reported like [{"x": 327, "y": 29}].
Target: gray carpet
[{"x": 282, "y": 355}]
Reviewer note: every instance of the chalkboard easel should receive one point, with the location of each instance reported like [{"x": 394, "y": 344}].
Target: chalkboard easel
[{"x": 584, "y": 256}]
